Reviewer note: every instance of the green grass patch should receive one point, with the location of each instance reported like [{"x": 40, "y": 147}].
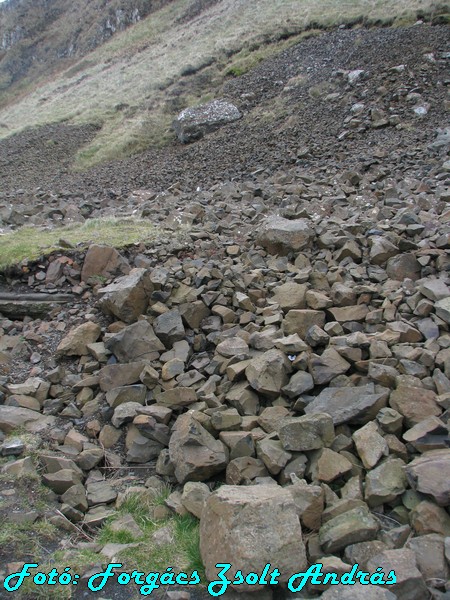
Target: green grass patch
[
  {"x": 30, "y": 243},
  {"x": 181, "y": 552}
]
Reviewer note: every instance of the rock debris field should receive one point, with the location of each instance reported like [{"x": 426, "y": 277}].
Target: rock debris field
[{"x": 281, "y": 354}]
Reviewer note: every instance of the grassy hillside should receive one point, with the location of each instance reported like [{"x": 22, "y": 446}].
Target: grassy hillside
[{"x": 135, "y": 84}]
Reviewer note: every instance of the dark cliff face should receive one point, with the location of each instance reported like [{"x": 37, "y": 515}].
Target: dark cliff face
[{"x": 38, "y": 36}]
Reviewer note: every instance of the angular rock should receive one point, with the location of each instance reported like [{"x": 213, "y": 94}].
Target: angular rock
[
  {"x": 426, "y": 517},
  {"x": 327, "y": 465},
  {"x": 355, "y": 405},
  {"x": 126, "y": 393},
  {"x": 103, "y": 261},
  {"x": 300, "y": 321},
  {"x": 327, "y": 366},
  {"x": 309, "y": 503},
  {"x": 15, "y": 417},
  {"x": 268, "y": 373},
  {"x": 371, "y": 446},
  {"x": 415, "y": 404},
  {"x": 265, "y": 514},
  {"x": 430, "y": 474},
  {"x": 177, "y": 397},
  {"x": 195, "y": 495},
  {"x": 243, "y": 470},
  {"x": 135, "y": 342},
  {"x": 195, "y": 454},
  {"x": 75, "y": 342},
  {"x": 386, "y": 482},
  {"x": 310, "y": 432},
  {"x": 196, "y": 121},
  {"x": 272, "y": 454},
  {"x": 290, "y": 295},
  {"x": 403, "y": 266},
  {"x": 128, "y": 296},
  {"x": 114, "y": 376},
  {"x": 299, "y": 383},
  {"x": 169, "y": 328},
  {"x": 410, "y": 584},
  {"x": 351, "y": 527},
  {"x": 282, "y": 236}
]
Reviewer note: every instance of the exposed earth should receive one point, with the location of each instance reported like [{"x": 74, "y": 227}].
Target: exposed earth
[{"x": 290, "y": 322}]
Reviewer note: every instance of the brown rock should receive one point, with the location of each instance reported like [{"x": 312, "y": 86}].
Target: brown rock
[
  {"x": 281, "y": 236},
  {"x": 430, "y": 474},
  {"x": 195, "y": 454},
  {"x": 410, "y": 584},
  {"x": 265, "y": 514},
  {"x": 103, "y": 261},
  {"x": 415, "y": 404},
  {"x": 299, "y": 321},
  {"x": 75, "y": 342}
]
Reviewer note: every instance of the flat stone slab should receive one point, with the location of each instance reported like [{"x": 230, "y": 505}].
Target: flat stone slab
[{"x": 357, "y": 405}]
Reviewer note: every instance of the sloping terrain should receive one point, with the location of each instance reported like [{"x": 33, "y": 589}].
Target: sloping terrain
[
  {"x": 286, "y": 325},
  {"x": 133, "y": 85}
]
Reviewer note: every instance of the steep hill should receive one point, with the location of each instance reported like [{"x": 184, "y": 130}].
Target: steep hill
[{"x": 132, "y": 86}]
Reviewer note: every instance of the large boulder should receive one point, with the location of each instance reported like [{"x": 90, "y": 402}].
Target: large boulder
[
  {"x": 194, "y": 122},
  {"x": 282, "y": 236},
  {"x": 250, "y": 527}
]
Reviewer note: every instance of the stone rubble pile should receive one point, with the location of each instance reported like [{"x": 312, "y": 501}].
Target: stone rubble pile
[{"x": 287, "y": 339}]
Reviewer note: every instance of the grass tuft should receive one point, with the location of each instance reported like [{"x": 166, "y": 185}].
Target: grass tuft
[{"x": 30, "y": 243}]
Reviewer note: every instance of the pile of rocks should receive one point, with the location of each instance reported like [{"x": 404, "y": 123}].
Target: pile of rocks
[{"x": 295, "y": 349}]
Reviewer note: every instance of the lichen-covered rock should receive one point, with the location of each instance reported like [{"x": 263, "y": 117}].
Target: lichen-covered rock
[{"x": 196, "y": 121}]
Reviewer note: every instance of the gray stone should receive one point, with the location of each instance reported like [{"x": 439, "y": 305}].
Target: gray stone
[
  {"x": 351, "y": 527},
  {"x": 194, "y": 497},
  {"x": 15, "y": 417},
  {"x": 409, "y": 581},
  {"x": 355, "y": 405},
  {"x": 196, "y": 121},
  {"x": 430, "y": 474},
  {"x": 273, "y": 455},
  {"x": 126, "y": 393},
  {"x": 386, "y": 482},
  {"x": 135, "y": 342},
  {"x": 195, "y": 454},
  {"x": 371, "y": 446},
  {"x": 268, "y": 373},
  {"x": 169, "y": 328},
  {"x": 310, "y": 432},
  {"x": 128, "y": 296},
  {"x": 281, "y": 236},
  {"x": 299, "y": 383},
  {"x": 327, "y": 366}
]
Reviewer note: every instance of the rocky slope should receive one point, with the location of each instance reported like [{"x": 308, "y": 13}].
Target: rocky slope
[
  {"x": 39, "y": 37},
  {"x": 289, "y": 332}
]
